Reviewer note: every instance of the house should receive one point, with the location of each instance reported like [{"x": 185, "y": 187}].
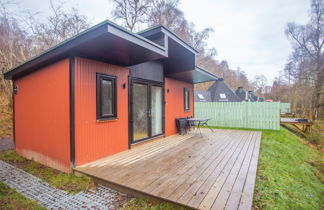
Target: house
[
  {"x": 100, "y": 92},
  {"x": 240, "y": 92},
  {"x": 221, "y": 92},
  {"x": 247, "y": 95},
  {"x": 202, "y": 96},
  {"x": 218, "y": 92}
]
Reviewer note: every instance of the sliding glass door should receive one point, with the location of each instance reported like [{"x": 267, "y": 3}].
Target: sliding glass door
[
  {"x": 140, "y": 111},
  {"x": 156, "y": 110},
  {"x": 147, "y": 110}
]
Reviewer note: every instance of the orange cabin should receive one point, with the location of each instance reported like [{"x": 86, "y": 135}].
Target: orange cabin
[{"x": 101, "y": 91}]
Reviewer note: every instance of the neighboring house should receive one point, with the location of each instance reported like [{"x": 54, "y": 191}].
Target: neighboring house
[
  {"x": 247, "y": 95},
  {"x": 101, "y": 91},
  {"x": 240, "y": 92},
  {"x": 218, "y": 92},
  {"x": 202, "y": 96}
]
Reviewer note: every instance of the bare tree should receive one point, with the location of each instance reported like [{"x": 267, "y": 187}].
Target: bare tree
[
  {"x": 131, "y": 12},
  {"x": 165, "y": 12},
  {"x": 307, "y": 59},
  {"x": 14, "y": 45},
  {"x": 260, "y": 82},
  {"x": 59, "y": 26}
]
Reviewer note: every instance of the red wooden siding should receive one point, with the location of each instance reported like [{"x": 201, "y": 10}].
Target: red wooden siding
[
  {"x": 174, "y": 106},
  {"x": 94, "y": 139},
  {"x": 42, "y": 116}
]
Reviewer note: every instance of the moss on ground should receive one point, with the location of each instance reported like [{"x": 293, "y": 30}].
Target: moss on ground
[
  {"x": 10, "y": 199},
  {"x": 57, "y": 179}
]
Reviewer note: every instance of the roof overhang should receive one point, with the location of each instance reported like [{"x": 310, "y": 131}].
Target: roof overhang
[
  {"x": 181, "y": 56},
  {"x": 105, "y": 41},
  {"x": 198, "y": 75}
]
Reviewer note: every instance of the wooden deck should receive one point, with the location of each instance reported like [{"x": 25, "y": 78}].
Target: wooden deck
[{"x": 216, "y": 171}]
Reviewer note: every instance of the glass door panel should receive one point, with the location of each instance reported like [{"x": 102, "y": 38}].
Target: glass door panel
[
  {"x": 140, "y": 110},
  {"x": 156, "y": 110}
]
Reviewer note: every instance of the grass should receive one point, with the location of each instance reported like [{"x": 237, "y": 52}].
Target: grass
[
  {"x": 139, "y": 204},
  {"x": 10, "y": 199},
  {"x": 68, "y": 182},
  {"x": 317, "y": 135},
  {"x": 290, "y": 173}
]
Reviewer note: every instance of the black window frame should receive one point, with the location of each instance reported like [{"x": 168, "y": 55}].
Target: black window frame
[
  {"x": 184, "y": 99},
  {"x": 113, "y": 79}
]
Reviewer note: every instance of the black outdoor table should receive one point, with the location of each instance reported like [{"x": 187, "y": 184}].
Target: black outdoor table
[{"x": 200, "y": 122}]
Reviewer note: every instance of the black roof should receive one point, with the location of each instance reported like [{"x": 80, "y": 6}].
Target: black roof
[
  {"x": 111, "y": 43},
  {"x": 221, "y": 92},
  {"x": 202, "y": 96},
  {"x": 240, "y": 92}
]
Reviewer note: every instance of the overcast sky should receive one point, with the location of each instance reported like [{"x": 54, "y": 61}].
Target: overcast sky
[{"x": 248, "y": 33}]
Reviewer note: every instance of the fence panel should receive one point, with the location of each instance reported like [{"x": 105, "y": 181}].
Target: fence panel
[
  {"x": 256, "y": 115},
  {"x": 285, "y": 107}
]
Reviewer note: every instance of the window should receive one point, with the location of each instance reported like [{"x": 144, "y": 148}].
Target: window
[
  {"x": 186, "y": 99},
  {"x": 106, "y": 97},
  {"x": 200, "y": 96},
  {"x": 222, "y": 95}
]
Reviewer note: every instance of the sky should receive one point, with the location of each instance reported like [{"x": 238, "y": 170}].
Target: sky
[{"x": 248, "y": 33}]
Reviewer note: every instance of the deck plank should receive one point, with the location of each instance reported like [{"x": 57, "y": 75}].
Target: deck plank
[
  {"x": 175, "y": 171},
  {"x": 247, "y": 194},
  {"x": 181, "y": 176},
  {"x": 205, "y": 196},
  {"x": 186, "y": 158},
  {"x": 199, "y": 188},
  {"x": 216, "y": 171},
  {"x": 197, "y": 177},
  {"x": 236, "y": 192},
  {"x": 226, "y": 189}
]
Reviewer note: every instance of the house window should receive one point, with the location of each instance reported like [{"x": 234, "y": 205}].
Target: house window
[
  {"x": 201, "y": 97},
  {"x": 222, "y": 95},
  {"x": 106, "y": 97},
  {"x": 186, "y": 99}
]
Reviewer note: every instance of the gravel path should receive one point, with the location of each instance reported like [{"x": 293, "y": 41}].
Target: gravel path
[
  {"x": 6, "y": 144},
  {"x": 52, "y": 198}
]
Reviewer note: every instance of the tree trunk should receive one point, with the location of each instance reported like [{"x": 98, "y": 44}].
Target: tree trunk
[{"x": 320, "y": 96}]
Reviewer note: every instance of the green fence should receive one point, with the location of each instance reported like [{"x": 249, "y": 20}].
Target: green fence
[
  {"x": 257, "y": 115},
  {"x": 285, "y": 107}
]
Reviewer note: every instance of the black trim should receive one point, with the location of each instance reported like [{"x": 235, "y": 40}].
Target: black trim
[
  {"x": 184, "y": 97},
  {"x": 130, "y": 114},
  {"x": 113, "y": 79},
  {"x": 72, "y": 112},
  {"x": 103, "y": 29},
  {"x": 13, "y": 114},
  {"x": 149, "y": 84}
]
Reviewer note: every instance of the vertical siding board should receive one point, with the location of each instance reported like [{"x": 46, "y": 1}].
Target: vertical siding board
[
  {"x": 174, "y": 103},
  {"x": 256, "y": 115},
  {"x": 42, "y": 116},
  {"x": 94, "y": 139}
]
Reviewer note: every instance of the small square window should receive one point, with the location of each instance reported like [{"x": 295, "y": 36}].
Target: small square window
[
  {"x": 222, "y": 95},
  {"x": 186, "y": 99},
  {"x": 106, "y": 97},
  {"x": 200, "y": 96}
]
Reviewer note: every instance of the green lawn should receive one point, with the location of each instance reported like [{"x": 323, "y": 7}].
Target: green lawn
[
  {"x": 10, "y": 199},
  {"x": 290, "y": 173}
]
